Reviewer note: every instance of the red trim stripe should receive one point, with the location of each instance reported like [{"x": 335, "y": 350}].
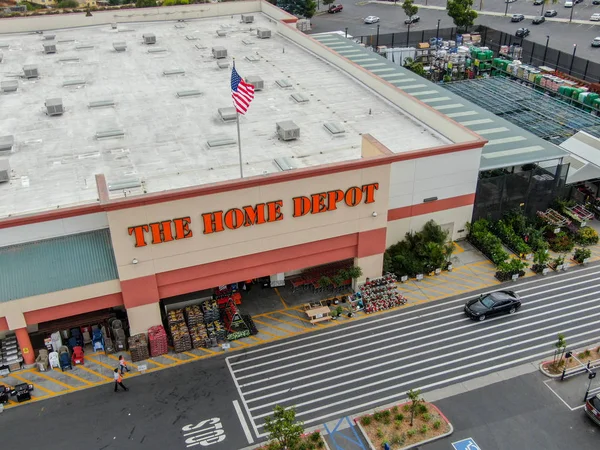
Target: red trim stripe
[{"x": 429, "y": 207}]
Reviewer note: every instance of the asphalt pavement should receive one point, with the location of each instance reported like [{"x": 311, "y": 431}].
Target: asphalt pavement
[
  {"x": 562, "y": 35},
  {"x": 521, "y": 413},
  {"x": 359, "y": 366}
]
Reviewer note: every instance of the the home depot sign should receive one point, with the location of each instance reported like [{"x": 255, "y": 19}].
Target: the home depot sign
[{"x": 247, "y": 216}]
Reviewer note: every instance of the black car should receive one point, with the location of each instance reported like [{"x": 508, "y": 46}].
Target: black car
[
  {"x": 550, "y": 13},
  {"x": 596, "y": 2},
  {"x": 522, "y": 32},
  {"x": 592, "y": 408},
  {"x": 494, "y": 303},
  {"x": 411, "y": 20},
  {"x": 576, "y": 2},
  {"x": 517, "y": 17},
  {"x": 537, "y": 20}
]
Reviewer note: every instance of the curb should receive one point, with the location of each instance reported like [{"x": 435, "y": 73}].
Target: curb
[
  {"x": 552, "y": 376},
  {"x": 416, "y": 444},
  {"x": 306, "y": 432}
]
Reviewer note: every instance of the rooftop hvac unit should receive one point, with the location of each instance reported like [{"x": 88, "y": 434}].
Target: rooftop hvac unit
[
  {"x": 49, "y": 48},
  {"x": 220, "y": 141},
  {"x": 247, "y": 18},
  {"x": 263, "y": 33},
  {"x": 219, "y": 52},
  {"x": 334, "y": 128},
  {"x": 284, "y": 84},
  {"x": 149, "y": 38},
  {"x": 9, "y": 86},
  {"x": 6, "y": 143},
  {"x": 227, "y": 114},
  {"x": 299, "y": 98},
  {"x": 30, "y": 71},
  {"x": 49, "y": 37},
  {"x": 221, "y": 33},
  {"x": 120, "y": 46},
  {"x": 257, "y": 82},
  {"x": 113, "y": 26},
  {"x": 54, "y": 107},
  {"x": 110, "y": 134},
  {"x": 223, "y": 64},
  {"x": 4, "y": 170},
  {"x": 288, "y": 130}
]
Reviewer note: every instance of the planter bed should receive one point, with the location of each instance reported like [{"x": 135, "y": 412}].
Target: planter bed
[
  {"x": 310, "y": 441},
  {"x": 393, "y": 426},
  {"x": 594, "y": 355}
]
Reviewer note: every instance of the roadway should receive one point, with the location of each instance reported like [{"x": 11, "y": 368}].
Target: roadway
[{"x": 562, "y": 35}]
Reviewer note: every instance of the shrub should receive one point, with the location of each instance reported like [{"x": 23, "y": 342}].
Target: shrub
[
  {"x": 394, "y": 410},
  {"x": 489, "y": 244},
  {"x": 512, "y": 240},
  {"x": 386, "y": 413},
  {"x": 387, "y": 420},
  {"x": 378, "y": 416},
  {"x": 424, "y": 429},
  {"x": 67, "y": 4},
  {"x": 561, "y": 243},
  {"x": 406, "y": 408},
  {"x": 422, "y": 409},
  {"x": 411, "y": 432},
  {"x": 315, "y": 437},
  {"x": 426, "y": 417},
  {"x": 506, "y": 269},
  {"x": 366, "y": 420},
  {"x": 398, "y": 439},
  {"x": 437, "y": 424},
  {"x": 399, "y": 417},
  {"x": 581, "y": 254},
  {"x": 379, "y": 433},
  {"x": 586, "y": 236},
  {"x": 397, "y": 424}
]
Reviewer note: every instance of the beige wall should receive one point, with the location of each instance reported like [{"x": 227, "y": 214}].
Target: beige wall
[
  {"x": 202, "y": 249},
  {"x": 456, "y": 216},
  {"x": 371, "y": 266},
  {"x": 141, "y": 318}
]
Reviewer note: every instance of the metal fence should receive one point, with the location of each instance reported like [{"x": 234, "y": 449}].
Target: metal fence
[
  {"x": 536, "y": 54},
  {"x": 530, "y": 191}
]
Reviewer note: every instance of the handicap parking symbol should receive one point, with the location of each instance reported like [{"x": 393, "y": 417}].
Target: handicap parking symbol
[{"x": 466, "y": 444}]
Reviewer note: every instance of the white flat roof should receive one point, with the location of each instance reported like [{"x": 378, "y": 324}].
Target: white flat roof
[{"x": 164, "y": 146}]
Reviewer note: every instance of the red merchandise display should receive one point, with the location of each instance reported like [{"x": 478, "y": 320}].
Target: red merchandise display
[{"x": 158, "y": 340}]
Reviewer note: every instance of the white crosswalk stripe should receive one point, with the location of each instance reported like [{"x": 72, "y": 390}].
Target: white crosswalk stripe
[{"x": 349, "y": 368}]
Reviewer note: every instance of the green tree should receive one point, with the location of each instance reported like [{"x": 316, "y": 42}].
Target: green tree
[
  {"x": 462, "y": 13},
  {"x": 327, "y": 2},
  {"x": 305, "y": 8},
  {"x": 145, "y": 3},
  {"x": 409, "y": 8},
  {"x": 283, "y": 427},
  {"x": 114, "y": 2},
  {"x": 67, "y": 4},
  {"x": 415, "y": 400},
  {"x": 560, "y": 345}
]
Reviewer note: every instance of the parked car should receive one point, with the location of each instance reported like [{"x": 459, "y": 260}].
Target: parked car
[
  {"x": 538, "y": 2},
  {"x": 538, "y": 20},
  {"x": 335, "y": 9},
  {"x": 596, "y": 42},
  {"x": 551, "y": 13},
  {"x": 371, "y": 19},
  {"x": 517, "y": 17},
  {"x": 494, "y": 303},
  {"x": 592, "y": 408},
  {"x": 568, "y": 4},
  {"x": 413, "y": 19},
  {"x": 576, "y": 2},
  {"x": 595, "y": 17},
  {"x": 509, "y": 1},
  {"x": 522, "y": 32},
  {"x": 596, "y": 2}
]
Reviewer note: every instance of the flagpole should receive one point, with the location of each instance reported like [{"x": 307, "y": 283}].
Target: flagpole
[{"x": 239, "y": 144}]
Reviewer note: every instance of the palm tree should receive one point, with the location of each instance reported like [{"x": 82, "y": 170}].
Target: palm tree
[{"x": 544, "y": 4}]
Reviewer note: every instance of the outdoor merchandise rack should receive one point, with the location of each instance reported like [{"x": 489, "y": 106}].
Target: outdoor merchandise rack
[
  {"x": 179, "y": 331},
  {"x": 553, "y": 218},
  {"x": 158, "y": 341},
  {"x": 10, "y": 355},
  {"x": 195, "y": 321},
  {"x": 380, "y": 293},
  {"x": 234, "y": 323}
]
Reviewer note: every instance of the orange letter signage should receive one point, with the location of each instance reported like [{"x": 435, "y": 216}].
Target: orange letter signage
[{"x": 138, "y": 233}]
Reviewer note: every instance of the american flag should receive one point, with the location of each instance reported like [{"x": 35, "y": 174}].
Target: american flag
[{"x": 241, "y": 92}]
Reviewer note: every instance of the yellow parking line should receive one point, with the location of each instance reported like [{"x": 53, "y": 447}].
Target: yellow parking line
[
  {"x": 37, "y": 386},
  {"x": 60, "y": 383},
  {"x": 162, "y": 366},
  {"x": 191, "y": 355},
  {"x": 288, "y": 323},
  {"x": 75, "y": 377},
  {"x": 117, "y": 359},
  {"x": 301, "y": 319},
  {"x": 171, "y": 358},
  {"x": 281, "y": 298},
  {"x": 289, "y": 333},
  {"x": 98, "y": 374},
  {"x": 100, "y": 363}
]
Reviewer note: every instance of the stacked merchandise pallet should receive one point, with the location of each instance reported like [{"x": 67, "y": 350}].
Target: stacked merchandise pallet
[
  {"x": 138, "y": 346},
  {"x": 195, "y": 322},
  {"x": 250, "y": 324},
  {"x": 179, "y": 331},
  {"x": 10, "y": 355},
  {"x": 381, "y": 293},
  {"x": 216, "y": 333},
  {"x": 235, "y": 325},
  {"x": 158, "y": 341},
  {"x": 481, "y": 58}
]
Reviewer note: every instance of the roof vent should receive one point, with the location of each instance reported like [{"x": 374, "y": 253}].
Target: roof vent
[
  {"x": 49, "y": 48},
  {"x": 219, "y": 52},
  {"x": 73, "y": 83},
  {"x": 49, "y": 37},
  {"x": 223, "y": 64},
  {"x": 6, "y": 143},
  {"x": 200, "y": 46},
  {"x": 68, "y": 60},
  {"x": 191, "y": 93},
  {"x": 110, "y": 134},
  {"x": 263, "y": 33},
  {"x": 9, "y": 86},
  {"x": 252, "y": 58},
  {"x": 334, "y": 128},
  {"x": 120, "y": 46},
  {"x": 257, "y": 82},
  {"x": 220, "y": 141},
  {"x": 284, "y": 84},
  {"x": 190, "y": 37},
  {"x": 84, "y": 47},
  {"x": 5, "y": 46},
  {"x": 179, "y": 25},
  {"x": 299, "y": 98},
  {"x": 4, "y": 170},
  {"x": 65, "y": 41},
  {"x": 113, "y": 25},
  {"x": 149, "y": 38},
  {"x": 247, "y": 18},
  {"x": 247, "y": 42},
  {"x": 131, "y": 183},
  {"x": 285, "y": 163},
  {"x": 288, "y": 130},
  {"x": 101, "y": 104},
  {"x": 54, "y": 107},
  {"x": 228, "y": 114},
  {"x": 221, "y": 33},
  {"x": 173, "y": 72},
  {"x": 30, "y": 71},
  {"x": 157, "y": 50}
]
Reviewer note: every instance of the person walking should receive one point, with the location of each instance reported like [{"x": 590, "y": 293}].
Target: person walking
[
  {"x": 123, "y": 365},
  {"x": 119, "y": 380}
]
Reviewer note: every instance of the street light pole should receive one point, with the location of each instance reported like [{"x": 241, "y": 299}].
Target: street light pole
[
  {"x": 546, "y": 50},
  {"x": 377, "y": 41},
  {"x": 506, "y": 9},
  {"x": 408, "y": 35},
  {"x": 572, "y": 58},
  {"x": 571, "y": 17},
  {"x": 437, "y": 33}
]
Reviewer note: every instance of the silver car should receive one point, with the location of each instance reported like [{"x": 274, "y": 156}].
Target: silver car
[{"x": 371, "y": 19}]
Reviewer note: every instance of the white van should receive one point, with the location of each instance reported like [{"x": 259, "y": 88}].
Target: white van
[{"x": 568, "y": 4}]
